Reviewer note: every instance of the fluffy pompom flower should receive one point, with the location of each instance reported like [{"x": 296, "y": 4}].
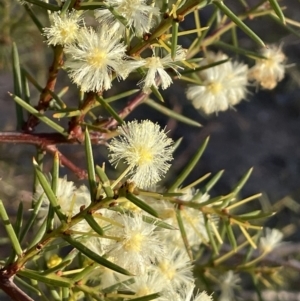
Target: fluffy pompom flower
[
  {"x": 64, "y": 29},
  {"x": 269, "y": 71},
  {"x": 149, "y": 283},
  {"x": 137, "y": 13},
  {"x": 64, "y": 191},
  {"x": 175, "y": 267},
  {"x": 91, "y": 62},
  {"x": 70, "y": 199},
  {"x": 222, "y": 86},
  {"x": 191, "y": 218},
  {"x": 228, "y": 282},
  {"x": 103, "y": 277},
  {"x": 186, "y": 294},
  {"x": 138, "y": 244},
  {"x": 271, "y": 240},
  {"x": 156, "y": 66},
  {"x": 145, "y": 148}
]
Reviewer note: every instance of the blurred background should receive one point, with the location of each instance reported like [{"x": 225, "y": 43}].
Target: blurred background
[{"x": 262, "y": 132}]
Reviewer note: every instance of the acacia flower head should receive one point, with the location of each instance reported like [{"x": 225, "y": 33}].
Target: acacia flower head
[
  {"x": 64, "y": 191},
  {"x": 137, "y": 246},
  {"x": 192, "y": 219},
  {"x": 91, "y": 62},
  {"x": 269, "y": 71},
  {"x": 223, "y": 86},
  {"x": 138, "y": 14},
  {"x": 187, "y": 293},
  {"x": 145, "y": 148},
  {"x": 156, "y": 66},
  {"x": 146, "y": 284},
  {"x": 228, "y": 282},
  {"x": 64, "y": 29},
  {"x": 175, "y": 267},
  {"x": 70, "y": 199},
  {"x": 271, "y": 240}
]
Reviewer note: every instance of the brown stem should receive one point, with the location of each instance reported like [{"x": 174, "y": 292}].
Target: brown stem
[
  {"x": 11, "y": 289},
  {"x": 45, "y": 96},
  {"x": 131, "y": 105},
  {"x": 75, "y": 128},
  {"x": 64, "y": 161},
  {"x": 164, "y": 25},
  {"x": 48, "y": 142},
  {"x": 42, "y": 139}
]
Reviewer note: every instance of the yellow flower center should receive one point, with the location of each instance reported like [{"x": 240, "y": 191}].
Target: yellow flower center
[
  {"x": 145, "y": 156},
  {"x": 69, "y": 30},
  {"x": 63, "y": 32},
  {"x": 153, "y": 62},
  {"x": 129, "y": 7},
  {"x": 53, "y": 261},
  {"x": 134, "y": 244},
  {"x": 270, "y": 63},
  {"x": 143, "y": 291},
  {"x": 167, "y": 270},
  {"x": 215, "y": 88},
  {"x": 97, "y": 58}
]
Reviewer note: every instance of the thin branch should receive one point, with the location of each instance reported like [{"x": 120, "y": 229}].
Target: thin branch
[
  {"x": 275, "y": 258},
  {"x": 48, "y": 142},
  {"x": 64, "y": 161},
  {"x": 40, "y": 139},
  {"x": 11, "y": 289},
  {"x": 164, "y": 25},
  {"x": 131, "y": 105},
  {"x": 45, "y": 96},
  {"x": 75, "y": 128}
]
